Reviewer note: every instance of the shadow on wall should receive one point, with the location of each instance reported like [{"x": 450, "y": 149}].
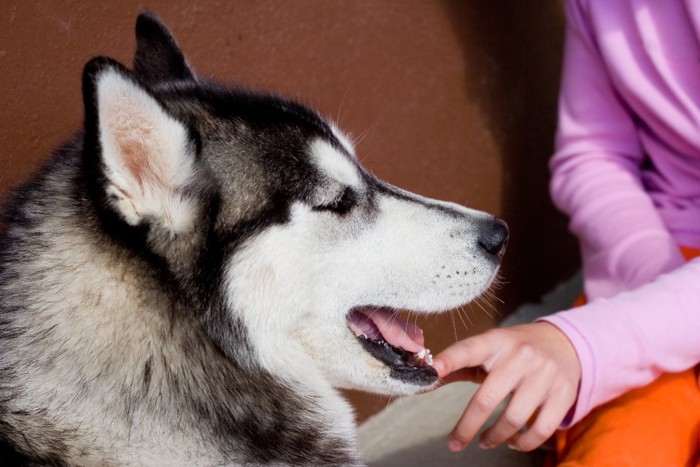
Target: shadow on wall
[{"x": 513, "y": 51}]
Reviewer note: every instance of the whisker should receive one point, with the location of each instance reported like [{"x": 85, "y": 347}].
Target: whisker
[
  {"x": 495, "y": 297},
  {"x": 356, "y": 140},
  {"x": 493, "y": 307},
  {"x": 462, "y": 319},
  {"x": 374, "y": 310},
  {"x": 394, "y": 315},
  {"x": 454, "y": 325},
  {"x": 478, "y": 303},
  {"x": 342, "y": 104},
  {"x": 466, "y": 311}
]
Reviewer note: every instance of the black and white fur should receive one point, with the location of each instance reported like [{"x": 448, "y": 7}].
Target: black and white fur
[{"x": 174, "y": 283}]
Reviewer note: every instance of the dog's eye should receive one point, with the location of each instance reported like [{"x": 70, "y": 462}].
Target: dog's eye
[{"x": 342, "y": 204}]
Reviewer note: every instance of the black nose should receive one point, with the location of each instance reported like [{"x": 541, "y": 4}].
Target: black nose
[{"x": 494, "y": 237}]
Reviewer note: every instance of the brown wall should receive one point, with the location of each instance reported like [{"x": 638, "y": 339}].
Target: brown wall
[{"x": 451, "y": 99}]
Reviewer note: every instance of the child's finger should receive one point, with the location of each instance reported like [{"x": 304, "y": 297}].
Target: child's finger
[
  {"x": 550, "y": 417},
  {"x": 485, "y": 401},
  {"x": 467, "y": 353},
  {"x": 526, "y": 399}
]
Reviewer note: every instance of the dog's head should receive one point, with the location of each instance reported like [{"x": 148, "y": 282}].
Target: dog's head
[{"x": 259, "y": 212}]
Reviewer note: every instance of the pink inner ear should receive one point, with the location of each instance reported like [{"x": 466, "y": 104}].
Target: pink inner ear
[
  {"x": 143, "y": 145},
  {"x": 134, "y": 157},
  {"x": 135, "y": 149}
]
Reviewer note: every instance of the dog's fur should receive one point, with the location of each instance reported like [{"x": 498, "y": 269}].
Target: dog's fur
[{"x": 175, "y": 282}]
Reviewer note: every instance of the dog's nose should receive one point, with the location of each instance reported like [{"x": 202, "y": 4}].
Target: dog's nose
[{"x": 494, "y": 237}]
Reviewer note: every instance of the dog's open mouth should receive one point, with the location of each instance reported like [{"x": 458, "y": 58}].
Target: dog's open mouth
[{"x": 395, "y": 342}]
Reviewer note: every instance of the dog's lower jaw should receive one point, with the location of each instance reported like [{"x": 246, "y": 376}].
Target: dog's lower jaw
[{"x": 341, "y": 362}]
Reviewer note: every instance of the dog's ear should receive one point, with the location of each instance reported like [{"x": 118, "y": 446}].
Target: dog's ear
[
  {"x": 147, "y": 157},
  {"x": 158, "y": 57}
]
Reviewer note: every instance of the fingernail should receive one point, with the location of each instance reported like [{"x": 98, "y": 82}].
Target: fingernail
[
  {"x": 454, "y": 445},
  {"x": 513, "y": 447},
  {"x": 484, "y": 445}
]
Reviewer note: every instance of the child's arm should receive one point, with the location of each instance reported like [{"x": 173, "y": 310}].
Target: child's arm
[{"x": 597, "y": 167}]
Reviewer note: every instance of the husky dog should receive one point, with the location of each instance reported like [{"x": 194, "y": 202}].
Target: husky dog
[{"x": 188, "y": 280}]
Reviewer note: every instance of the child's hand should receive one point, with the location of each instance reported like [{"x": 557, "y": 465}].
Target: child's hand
[{"x": 535, "y": 363}]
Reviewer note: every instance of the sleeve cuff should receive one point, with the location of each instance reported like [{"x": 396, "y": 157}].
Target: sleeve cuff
[{"x": 588, "y": 367}]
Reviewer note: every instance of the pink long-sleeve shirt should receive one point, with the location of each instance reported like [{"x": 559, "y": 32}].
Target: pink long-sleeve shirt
[{"x": 627, "y": 172}]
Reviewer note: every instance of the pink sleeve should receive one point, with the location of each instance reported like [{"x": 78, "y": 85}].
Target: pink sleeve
[
  {"x": 628, "y": 340},
  {"x": 596, "y": 174}
]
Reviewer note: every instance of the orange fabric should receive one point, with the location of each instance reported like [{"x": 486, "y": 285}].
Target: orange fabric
[{"x": 657, "y": 425}]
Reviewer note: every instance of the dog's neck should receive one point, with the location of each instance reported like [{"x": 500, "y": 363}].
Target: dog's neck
[{"x": 287, "y": 370}]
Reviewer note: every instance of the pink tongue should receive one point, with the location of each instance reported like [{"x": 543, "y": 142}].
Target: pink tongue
[{"x": 395, "y": 330}]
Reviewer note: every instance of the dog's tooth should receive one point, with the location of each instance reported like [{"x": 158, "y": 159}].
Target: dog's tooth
[{"x": 421, "y": 354}]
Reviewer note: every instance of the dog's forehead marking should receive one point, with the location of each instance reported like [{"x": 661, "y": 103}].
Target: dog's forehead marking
[{"x": 334, "y": 163}]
